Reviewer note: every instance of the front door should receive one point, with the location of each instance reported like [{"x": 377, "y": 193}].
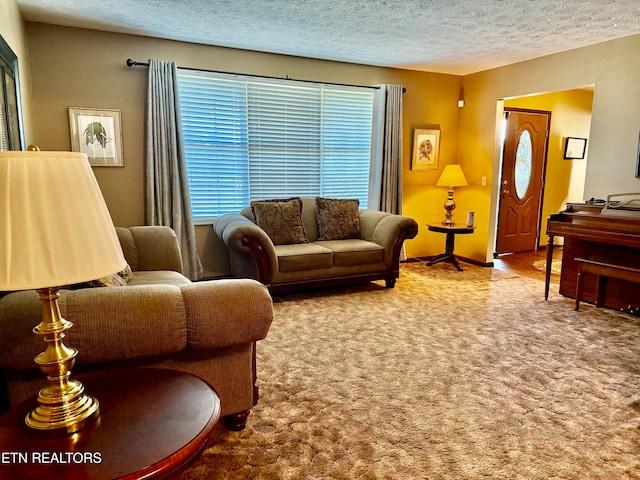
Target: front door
[{"x": 521, "y": 185}]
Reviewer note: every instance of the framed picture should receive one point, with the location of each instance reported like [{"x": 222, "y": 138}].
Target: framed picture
[
  {"x": 98, "y": 133},
  {"x": 426, "y": 147},
  {"x": 575, "y": 148}
]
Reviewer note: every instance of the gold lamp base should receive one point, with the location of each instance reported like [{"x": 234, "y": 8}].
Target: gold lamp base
[
  {"x": 62, "y": 406},
  {"x": 449, "y": 206},
  {"x": 66, "y": 412}
]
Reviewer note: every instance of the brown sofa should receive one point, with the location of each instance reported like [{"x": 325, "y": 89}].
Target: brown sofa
[
  {"x": 372, "y": 253},
  {"x": 159, "y": 319}
]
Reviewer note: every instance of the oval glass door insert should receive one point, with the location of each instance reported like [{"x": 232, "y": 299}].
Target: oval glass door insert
[{"x": 523, "y": 164}]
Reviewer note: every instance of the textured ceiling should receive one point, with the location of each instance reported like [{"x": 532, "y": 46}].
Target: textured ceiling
[{"x": 448, "y": 36}]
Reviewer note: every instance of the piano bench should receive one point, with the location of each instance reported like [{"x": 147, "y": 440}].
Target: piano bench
[{"x": 604, "y": 267}]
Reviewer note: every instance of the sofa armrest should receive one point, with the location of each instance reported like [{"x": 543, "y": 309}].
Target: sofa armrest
[
  {"x": 251, "y": 251},
  {"x": 226, "y": 313},
  {"x": 151, "y": 248},
  {"x": 387, "y": 230}
]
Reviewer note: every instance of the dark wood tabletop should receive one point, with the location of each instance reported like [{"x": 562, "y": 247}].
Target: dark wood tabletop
[
  {"x": 152, "y": 423},
  {"x": 455, "y": 228}
]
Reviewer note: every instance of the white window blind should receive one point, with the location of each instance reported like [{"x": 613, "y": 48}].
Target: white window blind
[{"x": 250, "y": 138}]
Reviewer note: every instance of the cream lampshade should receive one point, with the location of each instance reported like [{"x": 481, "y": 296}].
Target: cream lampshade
[
  {"x": 452, "y": 176},
  {"x": 55, "y": 230}
]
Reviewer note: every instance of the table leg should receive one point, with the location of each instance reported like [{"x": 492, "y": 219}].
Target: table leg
[
  {"x": 448, "y": 255},
  {"x": 547, "y": 274},
  {"x": 451, "y": 240}
]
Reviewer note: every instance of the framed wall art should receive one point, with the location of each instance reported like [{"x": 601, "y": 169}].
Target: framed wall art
[
  {"x": 98, "y": 134},
  {"x": 575, "y": 148},
  {"x": 426, "y": 147}
]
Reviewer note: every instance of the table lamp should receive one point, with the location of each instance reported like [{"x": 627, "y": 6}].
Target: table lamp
[
  {"x": 451, "y": 177},
  {"x": 55, "y": 230}
]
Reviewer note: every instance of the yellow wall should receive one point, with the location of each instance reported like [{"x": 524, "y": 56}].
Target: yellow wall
[
  {"x": 86, "y": 68},
  {"x": 570, "y": 117}
]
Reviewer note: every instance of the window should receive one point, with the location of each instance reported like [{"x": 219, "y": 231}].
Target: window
[
  {"x": 10, "y": 137},
  {"x": 249, "y": 138}
]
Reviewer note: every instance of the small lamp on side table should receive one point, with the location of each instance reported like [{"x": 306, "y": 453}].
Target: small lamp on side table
[
  {"x": 55, "y": 230},
  {"x": 452, "y": 176}
]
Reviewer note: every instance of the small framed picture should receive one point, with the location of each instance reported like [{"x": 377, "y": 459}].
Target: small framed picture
[
  {"x": 575, "y": 148},
  {"x": 98, "y": 133},
  {"x": 426, "y": 147}
]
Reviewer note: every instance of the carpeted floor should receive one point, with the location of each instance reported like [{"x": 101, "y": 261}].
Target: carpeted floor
[{"x": 450, "y": 375}]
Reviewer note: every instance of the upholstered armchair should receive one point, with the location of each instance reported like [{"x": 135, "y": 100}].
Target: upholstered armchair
[{"x": 157, "y": 318}]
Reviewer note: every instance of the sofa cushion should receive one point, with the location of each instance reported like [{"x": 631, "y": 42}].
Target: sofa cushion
[
  {"x": 338, "y": 218},
  {"x": 354, "y": 251},
  {"x": 280, "y": 219},
  {"x": 303, "y": 257}
]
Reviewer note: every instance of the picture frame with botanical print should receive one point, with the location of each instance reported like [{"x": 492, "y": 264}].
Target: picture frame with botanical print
[
  {"x": 97, "y": 133},
  {"x": 426, "y": 148}
]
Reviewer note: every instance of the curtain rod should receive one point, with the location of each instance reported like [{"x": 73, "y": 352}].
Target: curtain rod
[{"x": 133, "y": 63}]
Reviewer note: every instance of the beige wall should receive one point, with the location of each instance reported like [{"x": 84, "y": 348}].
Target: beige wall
[
  {"x": 12, "y": 30},
  {"x": 613, "y": 67},
  {"x": 86, "y": 68},
  {"x": 570, "y": 117},
  {"x": 76, "y": 67}
]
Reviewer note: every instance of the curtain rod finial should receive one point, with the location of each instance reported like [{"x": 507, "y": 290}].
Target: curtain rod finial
[{"x": 130, "y": 63}]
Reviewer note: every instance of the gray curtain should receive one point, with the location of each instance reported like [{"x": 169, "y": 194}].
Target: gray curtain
[
  {"x": 166, "y": 186},
  {"x": 385, "y": 177}
]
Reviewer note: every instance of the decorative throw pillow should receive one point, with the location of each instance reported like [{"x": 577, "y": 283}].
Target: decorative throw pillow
[
  {"x": 338, "y": 218},
  {"x": 281, "y": 219},
  {"x": 113, "y": 280},
  {"x": 126, "y": 274}
]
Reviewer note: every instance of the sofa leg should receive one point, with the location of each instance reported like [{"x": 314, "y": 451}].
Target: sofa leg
[
  {"x": 390, "y": 282},
  {"x": 236, "y": 421}
]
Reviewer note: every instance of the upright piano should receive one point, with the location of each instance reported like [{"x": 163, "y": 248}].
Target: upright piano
[{"x": 608, "y": 228}]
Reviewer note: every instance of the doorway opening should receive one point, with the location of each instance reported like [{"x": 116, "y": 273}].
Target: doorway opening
[{"x": 563, "y": 180}]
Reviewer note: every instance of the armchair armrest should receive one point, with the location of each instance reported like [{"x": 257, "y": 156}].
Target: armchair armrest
[
  {"x": 387, "y": 230},
  {"x": 119, "y": 323},
  {"x": 251, "y": 251},
  {"x": 109, "y": 324},
  {"x": 225, "y": 313}
]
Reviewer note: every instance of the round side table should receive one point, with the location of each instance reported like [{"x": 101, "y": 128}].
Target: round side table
[
  {"x": 152, "y": 423},
  {"x": 451, "y": 231}
]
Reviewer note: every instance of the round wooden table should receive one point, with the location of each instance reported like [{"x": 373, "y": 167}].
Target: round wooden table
[
  {"x": 451, "y": 231},
  {"x": 152, "y": 423}
]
